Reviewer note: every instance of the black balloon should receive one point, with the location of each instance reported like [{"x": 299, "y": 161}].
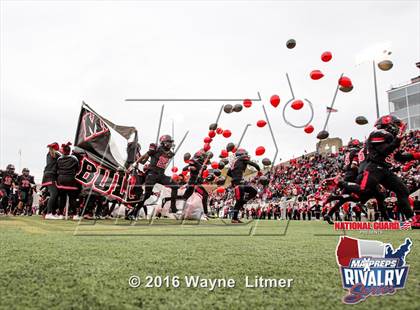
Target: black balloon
[
  {"x": 291, "y": 43},
  {"x": 210, "y": 155},
  {"x": 266, "y": 162},
  {"x": 264, "y": 180},
  {"x": 323, "y": 135},
  {"x": 237, "y": 107},
  {"x": 230, "y": 146},
  {"x": 225, "y": 160},
  {"x": 220, "y": 181},
  {"x": 210, "y": 178},
  {"x": 346, "y": 89},
  {"x": 361, "y": 120},
  {"x": 213, "y": 126},
  {"x": 217, "y": 172},
  {"x": 187, "y": 156},
  {"x": 228, "y": 108},
  {"x": 221, "y": 165}
]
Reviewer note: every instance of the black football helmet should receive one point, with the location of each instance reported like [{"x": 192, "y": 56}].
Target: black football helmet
[
  {"x": 10, "y": 169},
  {"x": 166, "y": 142},
  {"x": 242, "y": 153},
  {"x": 390, "y": 123},
  {"x": 25, "y": 171},
  {"x": 354, "y": 144}
]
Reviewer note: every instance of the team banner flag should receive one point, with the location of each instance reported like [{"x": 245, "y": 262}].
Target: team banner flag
[{"x": 105, "y": 151}]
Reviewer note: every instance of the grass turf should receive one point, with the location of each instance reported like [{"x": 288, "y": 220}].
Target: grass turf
[{"x": 64, "y": 265}]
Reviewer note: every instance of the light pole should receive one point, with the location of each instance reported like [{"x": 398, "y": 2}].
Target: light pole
[{"x": 376, "y": 88}]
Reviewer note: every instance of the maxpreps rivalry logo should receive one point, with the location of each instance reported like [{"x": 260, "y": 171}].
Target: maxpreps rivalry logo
[{"x": 371, "y": 268}]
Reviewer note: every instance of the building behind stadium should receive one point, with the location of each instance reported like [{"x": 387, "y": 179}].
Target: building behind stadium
[{"x": 404, "y": 102}]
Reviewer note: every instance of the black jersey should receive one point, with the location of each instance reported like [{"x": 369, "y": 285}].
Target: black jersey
[
  {"x": 8, "y": 179},
  {"x": 380, "y": 147},
  {"x": 195, "y": 168},
  {"x": 238, "y": 169},
  {"x": 25, "y": 182},
  {"x": 159, "y": 159}
]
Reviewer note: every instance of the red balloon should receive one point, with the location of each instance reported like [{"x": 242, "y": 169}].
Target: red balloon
[
  {"x": 345, "y": 81},
  {"x": 175, "y": 177},
  {"x": 212, "y": 133},
  {"x": 297, "y": 104},
  {"x": 224, "y": 154},
  {"x": 185, "y": 172},
  {"x": 234, "y": 150},
  {"x": 247, "y": 103},
  {"x": 220, "y": 190},
  {"x": 219, "y": 131},
  {"x": 261, "y": 123},
  {"x": 316, "y": 75},
  {"x": 187, "y": 161},
  {"x": 208, "y": 140},
  {"x": 260, "y": 151},
  {"x": 309, "y": 129},
  {"x": 326, "y": 56},
  {"x": 275, "y": 100},
  {"x": 206, "y": 147},
  {"x": 205, "y": 173},
  {"x": 174, "y": 169},
  {"x": 215, "y": 165},
  {"x": 227, "y": 133}
]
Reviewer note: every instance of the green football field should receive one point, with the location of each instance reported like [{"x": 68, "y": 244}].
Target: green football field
[{"x": 87, "y": 265}]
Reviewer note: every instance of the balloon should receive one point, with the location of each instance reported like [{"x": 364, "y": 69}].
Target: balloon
[
  {"x": 215, "y": 165},
  {"x": 326, "y": 56},
  {"x": 174, "y": 169},
  {"x": 185, "y": 172},
  {"x": 266, "y": 162},
  {"x": 259, "y": 151},
  {"x": 219, "y": 131},
  {"x": 220, "y": 180},
  {"x": 234, "y": 150},
  {"x": 275, "y": 100},
  {"x": 261, "y": 123},
  {"x": 224, "y": 154},
  {"x": 206, "y": 147},
  {"x": 208, "y": 140},
  {"x": 316, "y": 75},
  {"x": 217, "y": 172},
  {"x": 291, "y": 43},
  {"x": 361, "y": 120},
  {"x": 175, "y": 177},
  {"x": 309, "y": 129},
  {"x": 212, "y": 133},
  {"x": 230, "y": 146},
  {"x": 227, "y": 133},
  {"x": 187, "y": 157},
  {"x": 210, "y": 178},
  {"x": 205, "y": 173},
  {"x": 322, "y": 135},
  {"x": 385, "y": 65},
  {"x": 226, "y": 161},
  {"x": 210, "y": 155},
  {"x": 247, "y": 103},
  {"x": 346, "y": 89},
  {"x": 297, "y": 105},
  {"x": 220, "y": 190},
  {"x": 228, "y": 108},
  {"x": 237, "y": 107},
  {"x": 264, "y": 181},
  {"x": 345, "y": 81},
  {"x": 221, "y": 165},
  {"x": 213, "y": 126}
]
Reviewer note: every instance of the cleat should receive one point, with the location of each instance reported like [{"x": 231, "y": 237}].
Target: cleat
[
  {"x": 327, "y": 218},
  {"x": 236, "y": 222}
]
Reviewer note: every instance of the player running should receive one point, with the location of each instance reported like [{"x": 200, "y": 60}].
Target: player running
[
  {"x": 159, "y": 157},
  {"x": 243, "y": 191},
  {"x": 26, "y": 187},
  {"x": 8, "y": 179}
]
